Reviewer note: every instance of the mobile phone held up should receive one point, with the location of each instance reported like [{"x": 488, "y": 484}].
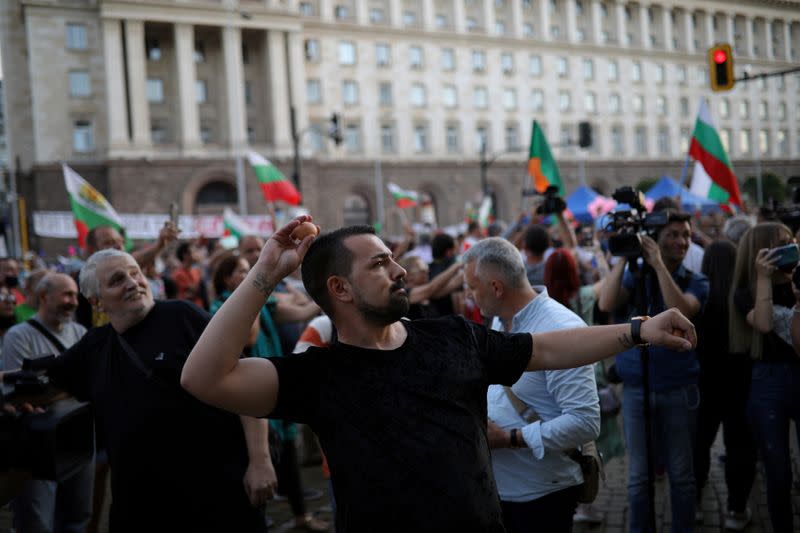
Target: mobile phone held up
[{"x": 787, "y": 257}]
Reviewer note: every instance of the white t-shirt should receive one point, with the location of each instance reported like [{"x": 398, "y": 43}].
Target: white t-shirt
[{"x": 23, "y": 341}]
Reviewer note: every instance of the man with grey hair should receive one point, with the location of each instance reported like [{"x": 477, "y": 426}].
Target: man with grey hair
[
  {"x": 546, "y": 413},
  {"x": 159, "y": 438},
  {"x": 42, "y": 505},
  {"x": 736, "y": 226}
]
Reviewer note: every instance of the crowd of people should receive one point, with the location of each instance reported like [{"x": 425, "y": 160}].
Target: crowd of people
[{"x": 451, "y": 381}]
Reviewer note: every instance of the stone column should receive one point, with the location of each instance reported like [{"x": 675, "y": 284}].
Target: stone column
[
  {"x": 748, "y": 36},
  {"x": 362, "y": 12},
  {"x": 297, "y": 77},
  {"x": 459, "y": 16},
  {"x": 621, "y": 26},
  {"x": 235, "y": 121},
  {"x": 768, "y": 49},
  {"x": 597, "y": 22},
  {"x": 189, "y": 122},
  {"x": 279, "y": 91},
  {"x": 572, "y": 26},
  {"x": 708, "y": 20},
  {"x": 730, "y": 30},
  {"x": 666, "y": 21},
  {"x": 644, "y": 26},
  {"x": 544, "y": 18},
  {"x": 137, "y": 83},
  {"x": 516, "y": 18},
  {"x": 116, "y": 102},
  {"x": 488, "y": 17},
  {"x": 787, "y": 40},
  {"x": 428, "y": 16},
  {"x": 326, "y": 10},
  {"x": 688, "y": 31}
]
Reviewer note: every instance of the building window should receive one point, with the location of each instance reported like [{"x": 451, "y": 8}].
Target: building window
[
  {"x": 613, "y": 71},
  {"x": 684, "y": 103},
  {"x": 153, "y": 50},
  {"x": 512, "y": 137},
  {"x": 441, "y": 21},
  {"x": 387, "y": 138},
  {"x": 661, "y": 105},
  {"x": 614, "y": 103},
  {"x": 419, "y": 96},
  {"x": 527, "y": 30},
  {"x": 316, "y": 138},
  {"x": 725, "y": 108},
  {"x": 500, "y": 27},
  {"x": 376, "y": 15},
  {"x": 347, "y": 53},
  {"x": 201, "y": 91},
  {"x": 385, "y": 94},
  {"x": 744, "y": 109},
  {"x": 617, "y": 140},
  {"x": 312, "y": 50},
  {"x": 205, "y": 135},
  {"x": 480, "y": 98},
  {"x": 415, "y": 57},
  {"x": 313, "y": 91},
  {"x": 660, "y": 75},
  {"x": 472, "y": 24},
  {"x": 782, "y": 111},
  {"x": 350, "y": 92},
  {"x": 535, "y": 65},
  {"x": 725, "y": 139},
  {"x": 636, "y": 71},
  {"x": 251, "y": 135},
  {"x": 744, "y": 141},
  {"x": 509, "y": 99},
  {"x": 341, "y": 12},
  {"x": 453, "y": 142},
  {"x": 562, "y": 67},
  {"x": 782, "y": 141},
  {"x": 507, "y": 63},
  {"x": 409, "y": 18},
  {"x": 763, "y": 110},
  {"x": 763, "y": 142},
  {"x": 77, "y": 38},
  {"x": 565, "y": 135},
  {"x": 638, "y": 104},
  {"x": 352, "y": 138},
  {"x": 564, "y": 101},
  {"x": 481, "y": 139},
  {"x": 199, "y": 52},
  {"x": 555, "y": 32},
  {"x": 590, "y": 102},
  {"x": 248, "y": 92},
  {"x": 663, "y": 141},
  {"x": 79, "y": 83},
  {"x": 588, "y": 69},
  {"x": 640, "y": 138},
  {"x": 450, "y": 96},
  {"x": 306, "y": 9},
  {"x": 448, "y": 59},
  {"x": 245, "y": 54},
  {"x": 82, "y": 136},
  {"x": 158, "y": 134},
  {"x": 420, "y": 138},
  {"x": 383, "y": 55},
  {"x": 155, "y": 90},
  {"x": 478, "y": 60},
  {"x": 682, "y": 75},
  {"x": 537, "y": 100}
]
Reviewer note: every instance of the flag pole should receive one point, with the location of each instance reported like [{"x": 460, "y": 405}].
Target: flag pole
[
  {"x": 685, "y": 168},
  {"x": 241, "y": 193},
  {"x": 379, "y": 193}
]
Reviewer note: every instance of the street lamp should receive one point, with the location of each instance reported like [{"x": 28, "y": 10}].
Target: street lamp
[
  {"x": 334, "y": 132},
  {"x": 485, "y": 163}
]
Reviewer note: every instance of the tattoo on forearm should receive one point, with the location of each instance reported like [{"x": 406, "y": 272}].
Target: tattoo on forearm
[
  {"x": 263, "y": 285},
  {"x": 625, "y": 340}
]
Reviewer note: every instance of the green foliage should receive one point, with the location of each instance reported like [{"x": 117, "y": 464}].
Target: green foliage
[
  {"x": 773, "y": 188},
  {"x": 645, "y": 184}
]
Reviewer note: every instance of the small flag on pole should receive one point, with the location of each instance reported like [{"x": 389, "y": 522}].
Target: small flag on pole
[
  {"x": 403, "y": 198},
  {"x": 235, "y": 225},
  {"x": 541, "y": 165},
  {"x": 274, "y": 184},
  {"x": 89, "y": 207}
]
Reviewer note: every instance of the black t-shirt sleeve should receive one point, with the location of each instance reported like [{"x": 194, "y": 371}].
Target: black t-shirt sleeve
[
  {"x": 299, "y": 385},
  {"x": 506, "y": 355},
  {"x": 71, "y": 370}
]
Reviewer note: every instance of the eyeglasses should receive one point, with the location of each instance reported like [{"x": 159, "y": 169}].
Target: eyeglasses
[{"x": 7, "y": 298}]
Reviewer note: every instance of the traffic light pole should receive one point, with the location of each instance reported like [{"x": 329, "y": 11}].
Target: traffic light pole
[
  {"x": 485, "y": 163},
  {"x": 296, "y": 146},
  {"x": 748, "y": 77}
]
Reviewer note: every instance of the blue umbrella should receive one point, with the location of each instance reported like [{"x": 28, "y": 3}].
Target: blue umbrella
[
  {"x": 667, "y": 186},
  {"x": 578, "y": 203}
]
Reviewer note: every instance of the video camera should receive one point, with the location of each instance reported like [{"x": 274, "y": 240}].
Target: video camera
[
  {"x": 789, "y": 215},
  {"x": 629, "y": 224},
  {"x": 553, "y": 203},
  {"x": 50, "y": 445}
]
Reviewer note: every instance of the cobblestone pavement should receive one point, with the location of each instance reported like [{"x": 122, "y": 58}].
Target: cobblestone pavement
[{"x": 611, "y": 502}]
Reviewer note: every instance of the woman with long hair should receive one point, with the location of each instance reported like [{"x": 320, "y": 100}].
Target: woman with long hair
[
  {"x": 758, "y": 285},
  {"x": 724, "y": 384}
]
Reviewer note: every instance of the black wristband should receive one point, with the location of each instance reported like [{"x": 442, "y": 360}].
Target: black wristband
[
  {"x": 636, "y": 329},
  {"x": 514, "y": 441}
]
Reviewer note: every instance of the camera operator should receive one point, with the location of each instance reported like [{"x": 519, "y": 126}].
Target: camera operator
[{"x": 673, "y": 375}]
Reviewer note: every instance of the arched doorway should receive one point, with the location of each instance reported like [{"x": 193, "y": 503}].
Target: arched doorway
[
  {"x": 356, "y": 210},
  {"x": 215, "y": 196}
]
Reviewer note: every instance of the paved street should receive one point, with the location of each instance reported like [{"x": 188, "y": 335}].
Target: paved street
[{"x": 612, "y": 500}]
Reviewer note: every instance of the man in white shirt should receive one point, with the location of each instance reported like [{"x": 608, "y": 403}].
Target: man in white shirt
[{"x": 536, "y": 480}]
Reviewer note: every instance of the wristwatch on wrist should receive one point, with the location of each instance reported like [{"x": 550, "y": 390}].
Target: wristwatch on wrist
[
  {"x": 515, "y": 438},
  {"x": 636, "y": 329}
]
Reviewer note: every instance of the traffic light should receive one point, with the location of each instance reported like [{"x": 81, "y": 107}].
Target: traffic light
[
  {"x": 720, "y": 67},
  {"x": 584, "y": 134},
  {"x": 335, "y": 131}
]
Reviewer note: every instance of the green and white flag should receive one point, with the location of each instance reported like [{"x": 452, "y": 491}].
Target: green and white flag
[
  {"x": 89, "y": 207},
  {"x": 235, "y": 225}
]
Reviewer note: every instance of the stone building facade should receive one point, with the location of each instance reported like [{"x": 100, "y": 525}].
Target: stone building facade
[{"x": 153, "y": 100}]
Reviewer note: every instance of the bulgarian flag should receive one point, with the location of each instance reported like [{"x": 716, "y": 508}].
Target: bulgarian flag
[
  {"x": 485, "y": 212},
  {"x": 713, "y": 176},
  {"x": 89, "y": 207},
  {"x": 402, "y": 197},
  {"x": 541, "y": 165},
  {"x": 273, "y": 183},
  {"x": 235, "y": 225}
]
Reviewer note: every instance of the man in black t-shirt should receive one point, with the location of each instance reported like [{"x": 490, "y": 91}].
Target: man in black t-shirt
[
  {"x": 176, "y": 464},
  {"x": 399, "y": 406}
]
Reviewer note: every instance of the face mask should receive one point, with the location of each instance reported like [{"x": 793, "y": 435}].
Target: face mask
[{"x": 12, "y": 281}]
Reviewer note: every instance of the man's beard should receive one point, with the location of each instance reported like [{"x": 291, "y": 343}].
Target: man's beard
[{"x": 396, "y": 309}]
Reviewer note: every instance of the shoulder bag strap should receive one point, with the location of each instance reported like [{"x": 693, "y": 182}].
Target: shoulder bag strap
[
  {"x": 527, "y": 412},
  {"x": 38, "y": 326},
  {"x": 139, "y": 364}
]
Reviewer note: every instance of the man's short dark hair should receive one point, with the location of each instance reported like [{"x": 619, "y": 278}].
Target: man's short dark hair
[
  {"x": 441, "y": 244},
  {"x": 182, "y": 250},
  {"x": 328, "y": 256},
  {"x": 666, "y": 202},
  {"x": 91, "y": 237},
  {"x": 536, "y": 239}
]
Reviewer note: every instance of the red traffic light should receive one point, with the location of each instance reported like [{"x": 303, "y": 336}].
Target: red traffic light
[{"x": 720, "y": 57}]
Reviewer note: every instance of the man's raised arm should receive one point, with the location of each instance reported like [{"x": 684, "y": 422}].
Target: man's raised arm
[
  {"x": 569, "y": 348},
  {"x": 214, "y": 373}
]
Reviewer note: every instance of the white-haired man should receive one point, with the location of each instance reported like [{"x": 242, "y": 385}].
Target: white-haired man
[
  {"x": 176, "y": 464},
  {"x": 536, "y": 479}
]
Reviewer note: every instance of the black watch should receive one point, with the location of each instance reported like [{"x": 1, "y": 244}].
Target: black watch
[{"x": 636, "y": 329}]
